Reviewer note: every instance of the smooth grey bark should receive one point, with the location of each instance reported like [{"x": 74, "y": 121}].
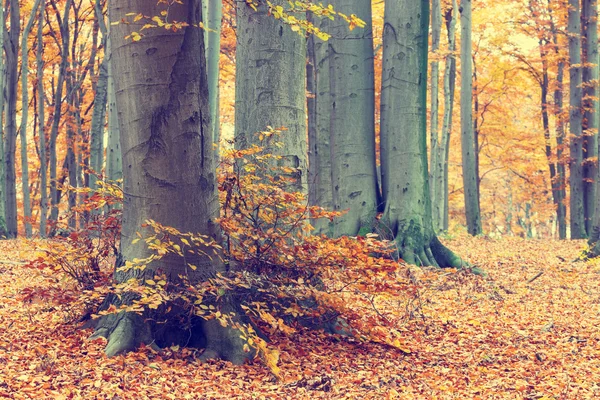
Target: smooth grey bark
[
  {"x": 319, "y": 105},
  {"x": 349, "y": 104},
  {"x": 575, "y": 122},
  {"x": 270, "y": 89},
  {"x": 12, "y": 83},
  {"x": 590, "y": 108},
  {"x": 467, "y": 139},
  {"x": 162, "y": 100},
  {"x": 439, "y": 198},
  {"x": 42, "y": 126},
  {"x": 212, "y": 14},
  {"x": 561, "y": 212},
  {"x": 3, "y": 229},
  {"x": 99, "y": 113},
  {"x": 64, "y": 32},
  {"x": 114, "y": 165},
  {"x": 404, "y": 135},
  {"x": 434, "y": 141},
  {"x": 24, "y": 118}
]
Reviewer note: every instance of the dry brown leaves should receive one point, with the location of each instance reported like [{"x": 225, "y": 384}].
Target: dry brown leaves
[{"x": 504, "y": 336}]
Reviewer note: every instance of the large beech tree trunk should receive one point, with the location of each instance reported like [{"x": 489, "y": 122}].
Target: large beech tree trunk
[
  {"x": 114, "y": 164},
  {"x": 270, "y": 86},
  {"x": 319, "y": 155},
  {"x": 346, "y": 97},
  {"x": 575, "y": 123},
  {"x": 469, "y": 167},
  {"x": 3, "y": 229},
  {"x": 403, "y": 135},
  {"x": 169, "y": 174}
]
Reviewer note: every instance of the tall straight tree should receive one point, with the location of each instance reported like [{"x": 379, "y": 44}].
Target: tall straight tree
[
  {"x": 346, "y": 96},
  {"x": 99, "y": 113},
  {"x": 434, "y": 141},
  {"x": 57, "y": 109},
  {"x": 404, "y": 135},
  {"x": 319, "y": 155},
  {"x": 270, "y": 88},
  {"x": 162, "y": 97},
  {"x": 467, "y": 139},
  {"x": 24, "y": 118},
  {"x": 42, "y": 125},
  {"x": 3, "y": 228},
  {"x": 440, "y": 146},
  {"x": 212, "y": 14},
  {"x": 12, "y": 83},
  {"x": 589, "y": 30},
  {"x": 575, "y": 122}
]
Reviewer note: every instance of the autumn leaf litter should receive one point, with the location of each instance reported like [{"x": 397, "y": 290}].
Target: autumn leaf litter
[{"x": 527, "y": 330}]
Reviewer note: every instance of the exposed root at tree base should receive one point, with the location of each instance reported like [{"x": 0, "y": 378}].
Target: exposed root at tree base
[{"x": 126, "y": 331}]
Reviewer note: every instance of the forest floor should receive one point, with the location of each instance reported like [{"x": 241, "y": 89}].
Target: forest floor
[{"x": 529, "y": 330}]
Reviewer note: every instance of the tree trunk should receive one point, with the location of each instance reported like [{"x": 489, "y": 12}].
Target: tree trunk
[
  {"x": 575, "y": 123},
  {"x": 64, "y": 31},
  {"x": 12, "y": 83},
  {"x": 212, "y": 14},
  {"x": 170, "y": 178},
  {"x": 469, "y": 166},
  {"x": 319, "y": 171},
  {"x": 434, "y": 141},
  {"x": 3, "y": 228},
  {"x": 440, "y": 168},
  {"x": 99, "y": 113},
  {"x": 42, "y": 126},
  {"x": 561, "y": 212},
  {"x": 544, "y": 85},
  {"x": 590, "y": 107},
  {"x": 24, "y": 117},
  {"x": 114, "y": 165},
  {"x": 350, "y": 103},
  {"x": 403, "y": 135},
  {"x": 271, "y": 87}
]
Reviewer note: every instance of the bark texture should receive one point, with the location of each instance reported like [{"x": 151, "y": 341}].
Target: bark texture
[
  {"x": 467, "y": 140},
  {"x": 271, "y": 87},
  {"x": 168, "y": 158},
  {"x": 114, "y": 164},
  {"x": 347, "y": 99},
  {"x": 3, "y": 228},
  {"x": 42, "y": 126},
  {"x": 403, "y": 135},
  {"x": 575, "y": 123}
]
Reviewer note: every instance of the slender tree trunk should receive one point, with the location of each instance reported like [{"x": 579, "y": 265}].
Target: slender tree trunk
[
  {"x": 319, "y": 105},
  {"x": 440, "y": 202},
  {"x": 561, "y": 212},
  {"x": 99, "y": 113},
  {"x": 544, "y": 85},
  {"x": 575, "y": 123},
  {"x": 590, "y": 107},
  {"x": 212, "y": 14},
  {"x": 3, "y": 228},
  {"x": 469, "y": 166},
  {"x": 58, "y": 94},
  {"x": 404, "y": 135},
  {"x": 435, "y": 142},
  {"x": 12, "y": 61},
  {"x": 24, "y": 118},
  {"x": 42, "y": 126},
  {"x": 271, "y": 87}
]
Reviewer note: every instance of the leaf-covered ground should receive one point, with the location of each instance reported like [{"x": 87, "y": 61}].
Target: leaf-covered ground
[{"x": 530, "y": 330}]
